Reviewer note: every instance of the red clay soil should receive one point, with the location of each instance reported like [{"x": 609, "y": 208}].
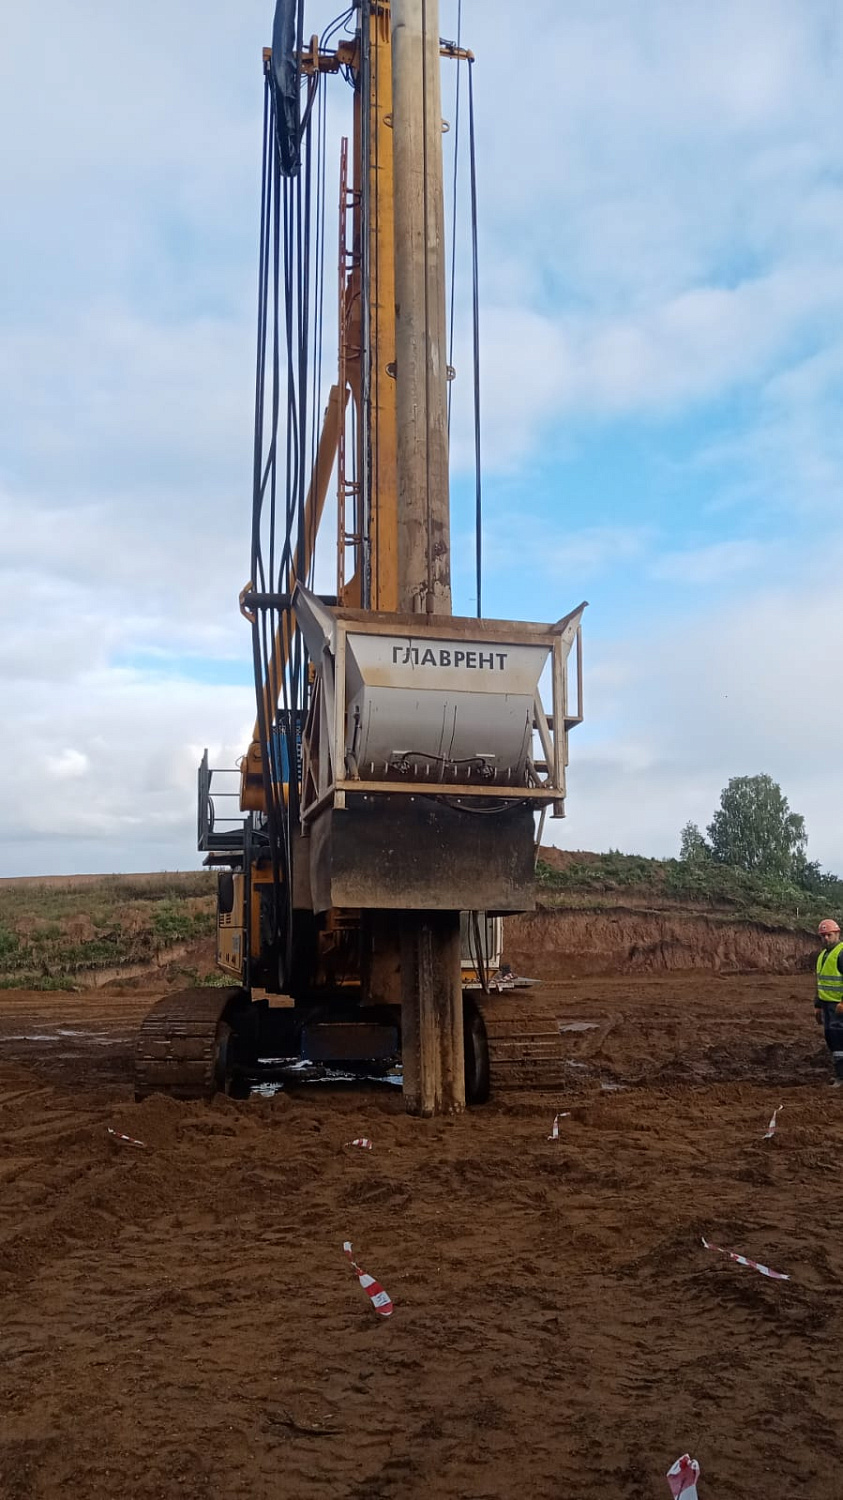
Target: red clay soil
[
  {"x": 631, "y": 940},
  {"x": 180, "y": 1321}
]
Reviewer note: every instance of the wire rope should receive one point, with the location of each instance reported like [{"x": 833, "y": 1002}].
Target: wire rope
[
  {"x": 475, "y": 339},
  {"x": 454, "y": 212},
  {"x": 429, "y": 602},
  {"x": 287, "y": 385}
]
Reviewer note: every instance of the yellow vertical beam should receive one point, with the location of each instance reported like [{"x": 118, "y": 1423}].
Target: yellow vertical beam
[
  {"x": 251, "y": 776},
  {"x": 381, "y": 297},
  {"x": 421, "y": 328},
  {"x": 382, "y": 300}
]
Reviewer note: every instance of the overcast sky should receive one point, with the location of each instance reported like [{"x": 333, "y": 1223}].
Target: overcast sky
[{"x": 661, "y": 249}]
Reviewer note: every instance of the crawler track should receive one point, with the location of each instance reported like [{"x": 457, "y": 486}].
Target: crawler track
[
  {"x": 180, "y": 1046},
  {"x": 525, "y": 1048}
]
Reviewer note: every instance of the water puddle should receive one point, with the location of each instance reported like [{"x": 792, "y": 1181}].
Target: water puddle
[
  {"x": 578, "y": 1025},
  {"x": 612, "y": 1088},
  {"x": 99, "y": 1038},
  {"x": 64, "y": 1034},
  {"x": 310, "y": 1073},
  {"x": 29, "y": 1036}
]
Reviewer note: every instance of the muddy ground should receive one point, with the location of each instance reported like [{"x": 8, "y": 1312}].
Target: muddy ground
[{"x": 180, "y": 1321}]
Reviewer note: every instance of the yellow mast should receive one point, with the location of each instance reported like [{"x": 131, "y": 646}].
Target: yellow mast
[{"x": 368, "y": 292}]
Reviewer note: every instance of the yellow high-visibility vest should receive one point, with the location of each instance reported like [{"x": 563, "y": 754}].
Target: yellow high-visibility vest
[{"x": 829, "y": 980}]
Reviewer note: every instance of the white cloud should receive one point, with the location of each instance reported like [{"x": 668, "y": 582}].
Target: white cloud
[
  {"x": 700, "y": 344},
  {"x": 549, "y": 549},
  {"x": 664, "y": 226},
  {"x": 69, "y": 765},
  {"x": 109, "y": 396},
  {"x": 123, "y": 793},
  {"x": 712, "y": 563},
  {"x": 747, "y": 686}
]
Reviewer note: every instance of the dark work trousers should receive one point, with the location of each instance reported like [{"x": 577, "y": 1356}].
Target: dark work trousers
[{"x": 833, "y": 1028}]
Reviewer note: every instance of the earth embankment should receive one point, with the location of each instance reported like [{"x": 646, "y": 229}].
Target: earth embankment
[{"x": 557, "y": 944}]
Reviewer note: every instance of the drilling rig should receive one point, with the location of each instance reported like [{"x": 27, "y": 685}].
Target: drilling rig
[{"x": 402, "y": 755}]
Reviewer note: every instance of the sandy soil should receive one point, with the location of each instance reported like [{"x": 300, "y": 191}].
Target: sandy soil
[
  {"x": 624, "y": 939},
  {"x": 180, "y": 1321}
]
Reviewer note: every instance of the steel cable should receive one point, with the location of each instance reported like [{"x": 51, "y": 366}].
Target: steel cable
[
  {"x": 475, "y": 330},
  {"x": 454, "y": 214},
  {"x": 290, "y": 284}
]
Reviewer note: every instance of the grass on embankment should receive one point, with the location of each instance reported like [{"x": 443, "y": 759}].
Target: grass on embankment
[
  {"x": 700, "y": 885},
  {"x": 53, "y": 934}
]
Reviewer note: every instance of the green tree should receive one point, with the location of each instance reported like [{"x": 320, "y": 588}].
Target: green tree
[
  {"x": 754, "y": 828},
  {"x": 692, "y": 845},
  {"x": 812, "y": 877}
]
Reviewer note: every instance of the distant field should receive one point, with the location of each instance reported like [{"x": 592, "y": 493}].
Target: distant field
[{"x": 57, "y": 932}]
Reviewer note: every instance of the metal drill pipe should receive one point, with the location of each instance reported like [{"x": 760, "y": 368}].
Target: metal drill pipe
[{"x": 424, "y": 548}]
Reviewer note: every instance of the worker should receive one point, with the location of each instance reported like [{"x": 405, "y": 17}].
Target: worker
[{"x": 829, "y": 1000}]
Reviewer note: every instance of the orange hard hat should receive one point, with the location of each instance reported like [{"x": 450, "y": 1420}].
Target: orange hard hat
[{"x": 827, "y": 927}]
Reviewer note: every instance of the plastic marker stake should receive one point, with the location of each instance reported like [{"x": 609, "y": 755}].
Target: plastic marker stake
[
  {"x": 771, "y": 1128},
  {"x": 380, "y": 1300},
  {"x": 554, "y": 1129},
  {"x": 128, "y": 1140},
  {"x": 742, "y": 1261},
  {"x": 362, "y": 1141},
  {"x": 682, "y": 1477}
]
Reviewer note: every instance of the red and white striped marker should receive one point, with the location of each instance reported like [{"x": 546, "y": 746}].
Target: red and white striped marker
[
  {"x": 128, "y": 1140},
  {"x": 682, "y": 1477},
  {"x": 743, "y": 1261},
  {"x": 362, "y": 1141},
  {"x": 380, "y": 1300},
  {"x": 554, "y": 1129},
  {"x": 771, "y": 1128}
]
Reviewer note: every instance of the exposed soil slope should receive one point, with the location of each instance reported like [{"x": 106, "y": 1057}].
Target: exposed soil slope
[
  {"x": 621, "y": 914},
  {"x": 556, "y": 943}
]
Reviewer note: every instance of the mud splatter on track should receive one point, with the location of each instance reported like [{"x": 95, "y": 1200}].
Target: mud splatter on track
[{"x": 182, "y": 1322}]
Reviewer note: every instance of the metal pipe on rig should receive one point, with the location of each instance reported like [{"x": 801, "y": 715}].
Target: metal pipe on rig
[
  {"x": 431, "y": 984},
  {"x": 424, "y": 539}
]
